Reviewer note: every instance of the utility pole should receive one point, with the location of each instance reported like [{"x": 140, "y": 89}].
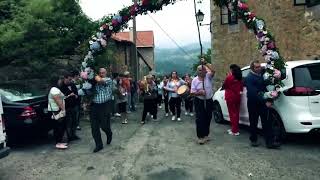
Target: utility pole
[
  {"x": 197, "y": 20},
  {"x": 201, "y": 51},
  {"x": 136, "y": 60}
]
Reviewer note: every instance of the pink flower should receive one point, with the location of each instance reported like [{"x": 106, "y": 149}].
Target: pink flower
[
  {"x": 277, "y": 74},
  {"x": 84, "y": 75},
  {"x": 274, "y": 94},
  {"x": 243, "y": 6}
]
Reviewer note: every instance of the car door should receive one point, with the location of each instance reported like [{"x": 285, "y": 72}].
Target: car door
[
  {"x": 244, "y": 115},
  {"x": 223, "y": 104}
]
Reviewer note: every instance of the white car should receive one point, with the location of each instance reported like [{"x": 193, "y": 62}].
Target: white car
[{"x": 297, "y": 110}]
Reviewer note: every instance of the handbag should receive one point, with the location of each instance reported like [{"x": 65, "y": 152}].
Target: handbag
[{"x": 58, "y": 115}]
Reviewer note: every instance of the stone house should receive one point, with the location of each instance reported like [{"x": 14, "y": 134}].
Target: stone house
[
  {"x": 294, "y": 23},
  {"x": 145, "y": 51}
]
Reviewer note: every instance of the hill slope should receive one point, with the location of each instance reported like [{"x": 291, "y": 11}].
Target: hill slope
[{"x": 176, "y": 59}]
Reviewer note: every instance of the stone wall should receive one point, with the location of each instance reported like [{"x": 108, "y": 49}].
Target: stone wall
[{"x": 296, "y": 30}]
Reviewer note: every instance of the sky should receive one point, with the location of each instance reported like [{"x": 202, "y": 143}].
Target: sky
[{"x": 177, "y": 20}]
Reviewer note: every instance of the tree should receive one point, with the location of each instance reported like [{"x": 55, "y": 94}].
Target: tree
[
  {"x": 32, "y": 32},
  {"x": 207, "y": 58}
]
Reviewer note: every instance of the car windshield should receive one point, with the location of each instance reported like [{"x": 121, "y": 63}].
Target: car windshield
[
  {"x": 307, "y": 76},
  {"x": 19, "y": 92}
]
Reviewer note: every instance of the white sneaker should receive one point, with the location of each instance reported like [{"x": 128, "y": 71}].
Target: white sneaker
[
  {"x": 173, "y": 118},
  {"x": 229, "y": 131},
  {"x": 61, "y": 146},
  {"x": 191, "y": 114},
  {"x": 160, "y": 107},
  {"x": 179, "y": 119},
  {"x": 186, "y": 113},
  {"x": 117, "y": 115},
  {"x": 151, "y": 116},
  {"x": 233, "y": 134},
  {"x": 236, "y": 134},
  {"x": 167, "y": 114}
]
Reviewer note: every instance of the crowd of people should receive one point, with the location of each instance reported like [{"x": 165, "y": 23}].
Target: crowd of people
[{"x": 116, "y": 96}]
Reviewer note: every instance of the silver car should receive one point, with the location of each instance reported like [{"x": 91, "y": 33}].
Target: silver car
[{"x": 297, "y": 110}]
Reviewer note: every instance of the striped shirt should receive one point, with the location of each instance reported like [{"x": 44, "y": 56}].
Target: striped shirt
[{"x": 103, "y": 92}]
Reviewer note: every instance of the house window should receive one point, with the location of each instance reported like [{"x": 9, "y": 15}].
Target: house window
[
  {"x": 300, "y": 2},
  {"x": 228, "y": 17},
  {"x": 309, "y": 3}
]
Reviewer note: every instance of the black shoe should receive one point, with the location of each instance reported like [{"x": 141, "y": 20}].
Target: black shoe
[
  {"x": 254, "y": 144},
  {"x": 109, "y": 139},
  {"x": 273, "y": 146},
  {"x": 97, "y": 149}
]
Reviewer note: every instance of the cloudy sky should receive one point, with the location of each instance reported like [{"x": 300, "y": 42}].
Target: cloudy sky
[{"x": 177, "y": 20}]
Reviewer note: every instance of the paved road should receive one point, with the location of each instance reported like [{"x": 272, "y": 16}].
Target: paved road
[{"x": 164, "y": 150}]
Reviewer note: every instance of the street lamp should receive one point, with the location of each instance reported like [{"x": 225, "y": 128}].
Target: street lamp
[{"x": 200, "y": 17}]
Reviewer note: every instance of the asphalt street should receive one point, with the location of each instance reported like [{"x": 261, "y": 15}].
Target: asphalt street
[{"x": 163, "y": 150}]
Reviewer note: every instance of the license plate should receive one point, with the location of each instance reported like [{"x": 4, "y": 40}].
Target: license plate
[{"x": 45, "y": 110}]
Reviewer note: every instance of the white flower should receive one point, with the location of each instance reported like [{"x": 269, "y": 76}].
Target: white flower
[
  {"x": 87, "y": 85},
  {"x": 81, "y": 92},
  {"x": 84, "y": 64}
]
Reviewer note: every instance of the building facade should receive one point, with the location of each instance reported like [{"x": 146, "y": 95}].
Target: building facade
[
  {"x": 145, "y": 51},
  {"x": 294, "y": 23}
]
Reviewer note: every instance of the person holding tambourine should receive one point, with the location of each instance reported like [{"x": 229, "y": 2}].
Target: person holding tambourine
[{"x": 174, "y": 99}]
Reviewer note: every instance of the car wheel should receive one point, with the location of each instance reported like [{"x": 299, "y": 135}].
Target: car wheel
[
  {"x": 279, "y": 132},
  {"x": 217, "y": 113}
]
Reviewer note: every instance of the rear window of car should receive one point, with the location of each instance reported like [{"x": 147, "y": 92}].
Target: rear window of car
[
  {"x": 19, "y": 92},
  {"x": 307, "y": 76}
]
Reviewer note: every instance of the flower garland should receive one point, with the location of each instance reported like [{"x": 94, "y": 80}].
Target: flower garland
[
  {"x": 113, "y": 24},
  {"x": 275, "y": 68}
]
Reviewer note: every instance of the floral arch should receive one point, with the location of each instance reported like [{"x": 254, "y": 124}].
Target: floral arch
[{"x": 116, "y": 22}]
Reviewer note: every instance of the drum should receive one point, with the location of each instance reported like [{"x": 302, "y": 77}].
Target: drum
[{"x": 183, "y": 91}]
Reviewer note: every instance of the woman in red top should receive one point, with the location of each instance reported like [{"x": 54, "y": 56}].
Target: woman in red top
[{"x": 233, "y": 86}]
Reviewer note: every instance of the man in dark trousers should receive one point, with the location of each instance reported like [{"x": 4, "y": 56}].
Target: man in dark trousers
[
  {"x": 258, "y": 106},
  {"x": 101, "y": 108},
  {"x": 70, "y": 90},
  {"x": 202, "y": 90}
]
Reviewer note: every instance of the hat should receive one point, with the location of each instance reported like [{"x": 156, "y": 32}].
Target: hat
[{"x": 126, "y": 73}]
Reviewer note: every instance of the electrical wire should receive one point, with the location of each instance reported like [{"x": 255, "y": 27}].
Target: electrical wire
[{"x": 167, "y": 34}]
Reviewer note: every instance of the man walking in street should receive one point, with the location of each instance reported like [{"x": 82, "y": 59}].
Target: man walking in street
[
  {"x": 70, "y": 90},
  {"x": 258, "y": 106},
  {"x": 101, "y": 108},
  {"x": 202, "y": 89}
]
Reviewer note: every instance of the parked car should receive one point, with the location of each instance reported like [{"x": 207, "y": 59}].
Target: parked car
[
  {"x": 4, "y": 150},
  {"x": 297, "y": 110},
  {"x": 25, "y": 113}
]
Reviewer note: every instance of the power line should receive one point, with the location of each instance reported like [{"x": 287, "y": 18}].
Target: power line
[{"x": 167, "y": 34}]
